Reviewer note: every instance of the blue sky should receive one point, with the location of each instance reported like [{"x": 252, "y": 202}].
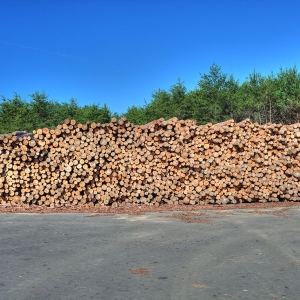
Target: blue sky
[{"x": 119, "y": 52}]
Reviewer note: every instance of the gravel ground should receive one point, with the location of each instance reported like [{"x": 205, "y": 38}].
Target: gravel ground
[{"x": 171, "y": 253}]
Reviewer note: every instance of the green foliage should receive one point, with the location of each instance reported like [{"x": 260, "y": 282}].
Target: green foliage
[
  {"x": 14, "y": 115},
  {"x": 159, "y": 107},
  {"x": 288, "y": 87},
  {"x": 93, "y": 113},
  {"x": 17, "y": 114},
  {"x": 136, "y": 115},
  {"x": 163, "y": 105},
  {"x": 218, "y": 97},
  {"x": 41, "y": 110},
  {"x": 65, "y": 110}
]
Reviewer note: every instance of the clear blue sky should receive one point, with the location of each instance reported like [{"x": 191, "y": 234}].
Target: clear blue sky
[{"x": 120, "y": 52}]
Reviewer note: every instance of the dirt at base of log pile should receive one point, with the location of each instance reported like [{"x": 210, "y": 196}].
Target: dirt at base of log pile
[{"x": 136, "y": 209}]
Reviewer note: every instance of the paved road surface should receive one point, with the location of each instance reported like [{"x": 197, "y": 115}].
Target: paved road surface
[{"x": 236, "y": 254}]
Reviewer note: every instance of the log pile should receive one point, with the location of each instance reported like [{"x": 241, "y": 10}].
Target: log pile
[{"x": 172, "y": 161}]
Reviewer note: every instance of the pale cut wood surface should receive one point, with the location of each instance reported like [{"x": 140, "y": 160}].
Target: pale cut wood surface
[{"x": 173, "y": 161}]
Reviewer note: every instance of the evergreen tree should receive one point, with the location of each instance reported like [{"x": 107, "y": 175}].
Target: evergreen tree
[
  {"x": 218, "y": 97},
  {"x": 14, "y": 115}
]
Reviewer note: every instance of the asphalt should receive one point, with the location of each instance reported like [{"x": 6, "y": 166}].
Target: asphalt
[{"x": 236, "y": 254}]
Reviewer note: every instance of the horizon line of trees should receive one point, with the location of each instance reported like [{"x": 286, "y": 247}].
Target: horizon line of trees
[{"x": 218, "y": 97}]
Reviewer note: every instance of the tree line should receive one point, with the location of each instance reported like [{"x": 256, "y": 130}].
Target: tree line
[
  {"x": 18, "y": 114},
  {"x": 218, "y": 97}
]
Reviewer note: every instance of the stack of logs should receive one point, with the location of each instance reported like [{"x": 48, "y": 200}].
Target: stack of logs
[{"x": 175, "y": 162}]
